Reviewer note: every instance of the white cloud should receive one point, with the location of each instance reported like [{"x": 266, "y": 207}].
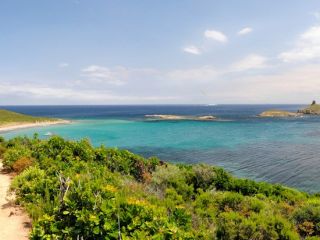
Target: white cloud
[
  {"x": 245, "y": 31},
  {"x": 296, "y": 85},
  {"x": 106, "y": 75},
  {"x": 63, "y": 64},
  {"x": 306, "y": 48},
  {"x": 115, "y": 76},
  {"x": 316, "y": 15},
  {"x": 216, "y": 35},
  {"x": 51, "y": 93},
  {"x": 192, "y": 50},
  {"x": 252, "y": 61},
  {"x": 199, "y": 74}
]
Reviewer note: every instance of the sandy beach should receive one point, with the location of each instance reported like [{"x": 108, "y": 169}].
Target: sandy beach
[{"x": 15, "y": 126}]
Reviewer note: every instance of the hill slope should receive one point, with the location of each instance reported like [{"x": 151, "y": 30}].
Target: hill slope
[{"x": 9, "y": 117}]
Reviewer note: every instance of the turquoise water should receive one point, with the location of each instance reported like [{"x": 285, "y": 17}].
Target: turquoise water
[{"x": 285, "y": 151}]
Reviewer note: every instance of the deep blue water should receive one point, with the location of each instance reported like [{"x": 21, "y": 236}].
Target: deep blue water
[{"x": 283, "y": 151}]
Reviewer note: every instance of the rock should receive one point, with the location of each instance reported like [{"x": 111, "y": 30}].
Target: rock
[
  {"x": 206, "y": 117},
  {"x": 180, "y": 117},
  {"x": 278, "y": 113}
]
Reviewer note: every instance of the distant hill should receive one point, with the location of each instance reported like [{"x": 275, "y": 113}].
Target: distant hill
[{"x": 9, "y": 117}]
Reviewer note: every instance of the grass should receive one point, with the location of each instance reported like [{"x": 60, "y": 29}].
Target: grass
[{"x": 9, "y": 117}]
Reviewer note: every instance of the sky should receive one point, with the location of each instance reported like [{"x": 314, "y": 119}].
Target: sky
[{"x": 66, "y": 52}]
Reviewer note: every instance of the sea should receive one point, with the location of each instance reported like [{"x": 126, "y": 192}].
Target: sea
[{"x": 275, "y": 150}]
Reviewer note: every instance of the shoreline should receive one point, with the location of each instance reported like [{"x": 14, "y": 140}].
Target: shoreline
[{"x": 17, "y": 126}]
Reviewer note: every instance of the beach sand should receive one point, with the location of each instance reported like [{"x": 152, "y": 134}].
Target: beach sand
[{"x": 15, "y": 126}]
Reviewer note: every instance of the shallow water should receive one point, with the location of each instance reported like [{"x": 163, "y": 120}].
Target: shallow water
[{"x": 275, "y": 150}]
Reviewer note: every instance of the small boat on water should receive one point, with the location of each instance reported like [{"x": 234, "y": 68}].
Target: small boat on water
[{"x": 48, "y": 134}]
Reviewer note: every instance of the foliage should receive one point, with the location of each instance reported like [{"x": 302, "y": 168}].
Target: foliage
[
  {"x": 14, "y": 154},
  {"x": 73, "y": 190},
  {"x": 21, "y": 164}
]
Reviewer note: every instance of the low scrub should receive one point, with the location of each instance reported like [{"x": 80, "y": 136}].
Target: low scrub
[{"x": 73, "y": 190}]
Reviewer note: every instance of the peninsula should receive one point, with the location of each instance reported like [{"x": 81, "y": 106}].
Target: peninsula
[{"x": 12, "y": 120}]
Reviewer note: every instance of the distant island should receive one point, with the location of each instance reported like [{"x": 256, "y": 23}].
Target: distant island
[
  {"x": 12, "y": 120},
  {"x": 312, "y": 109},
  {"x": 278, "y": 113},
  {"x": 181, "y": 117}
]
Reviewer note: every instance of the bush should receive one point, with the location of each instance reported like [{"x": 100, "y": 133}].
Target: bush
[
  {"x": 21, "y": 164},
  {"x": 73, "y": 190},
  {"x": 204, "y": 176},
  {"x": 231, "y": 225},
  {"x": 170, "y": 176},
  {"x": 13, "y": 154},
  {"x": 307, "y": 218},
  {"x": 2, "y": 151}
]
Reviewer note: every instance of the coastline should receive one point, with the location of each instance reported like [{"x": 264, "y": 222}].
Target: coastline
[{"x": 16, "y": 126}]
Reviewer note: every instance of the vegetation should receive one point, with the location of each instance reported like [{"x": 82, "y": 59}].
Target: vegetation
[
  {"x": 72, "y": 190},
  {"x": 8, "y": 117}
]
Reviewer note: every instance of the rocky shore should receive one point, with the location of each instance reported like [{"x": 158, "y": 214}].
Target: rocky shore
[
  {"x": 313, "y": 109},
  {"x": 180, "y": 117},
  {"x": 278, "y": 113}
]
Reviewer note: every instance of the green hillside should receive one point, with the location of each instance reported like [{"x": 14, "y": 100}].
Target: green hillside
[
  {"x": 9, "y": 117},
  {"x": 73, "y": 190}
]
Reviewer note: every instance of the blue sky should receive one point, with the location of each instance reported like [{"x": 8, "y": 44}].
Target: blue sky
[{"x": 154, "y": 52}]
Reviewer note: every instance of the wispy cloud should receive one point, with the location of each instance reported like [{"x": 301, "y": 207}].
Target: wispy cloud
[
  {"x": 316, "y": 14},
  {"x": 293, "y": 85},
  {"x": 245, "y": 31},
  {"x": 252, "y": 61},
  {"x": 64, "y": 64},
  {"x": 49, "y": 93},
  {"x": 192, "y": 50},
  {"x": 106, "y": 75},
  {"x": 216, "y": 35},
  {"x": 307, "y": 47},
  {"x": 199, "y": 74}
]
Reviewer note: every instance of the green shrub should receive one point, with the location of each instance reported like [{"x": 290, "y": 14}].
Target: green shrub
[
  {"x": 167, "y": 176},
  {"x": 2, "y": 150},
  {"x": 73, "y": 190},
  {"x": 204, "y": 176},
  {"x": 307, "y": 218},
  {"x": 13, "y": 154}
]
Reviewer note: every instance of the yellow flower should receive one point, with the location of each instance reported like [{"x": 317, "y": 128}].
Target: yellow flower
[
  {"x": 180, "y": 207},
  {"x": 110, "y": 188},
  {"x": 138, "y": 202}
]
